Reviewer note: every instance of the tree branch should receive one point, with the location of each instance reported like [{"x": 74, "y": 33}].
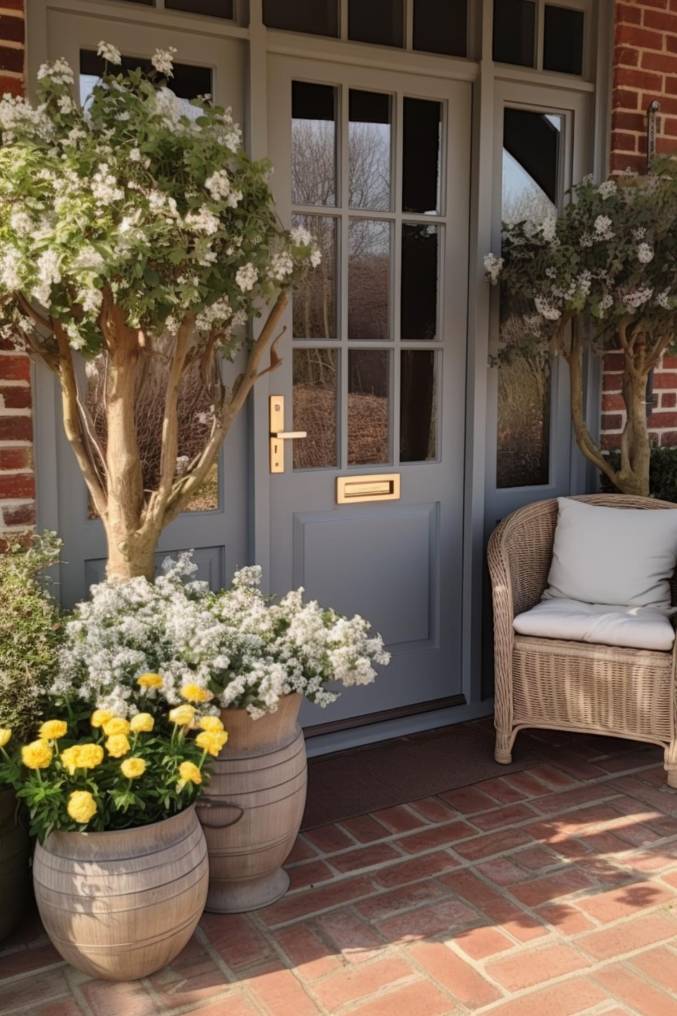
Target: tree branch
[
  {"x": 170, "y": 425},
  {"x": 584, "y": 439},
  {"x": 72, "y": 420},
  {"x": 186, "y": 486}
]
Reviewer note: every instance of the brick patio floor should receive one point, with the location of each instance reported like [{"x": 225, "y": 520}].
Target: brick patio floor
[{"x": 543, "y": 893}]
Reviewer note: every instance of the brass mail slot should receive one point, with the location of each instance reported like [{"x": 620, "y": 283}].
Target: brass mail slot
[{"x": 379, "y": 487}]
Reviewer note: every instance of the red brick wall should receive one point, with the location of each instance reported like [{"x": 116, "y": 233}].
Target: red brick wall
[
  {"x": 645, "y": 68},
  {"x": 17, "y": 507}
]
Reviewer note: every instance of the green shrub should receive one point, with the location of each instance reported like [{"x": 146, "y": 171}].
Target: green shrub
[
  {"x": 662, "y": 473},
  {"x": 30, "y": 632}
]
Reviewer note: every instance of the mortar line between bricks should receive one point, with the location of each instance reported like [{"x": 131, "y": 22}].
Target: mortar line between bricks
[
  {"x": 78, "y": 994},
  {"x": 641, "y": 974},
  {"x": 25, "y": 974},
  {"x": 386, "y": 950},
  {"x": 619, "y": 998},
  {"x": 464, "y": 864},
  {"x": 459, "y": 816}
]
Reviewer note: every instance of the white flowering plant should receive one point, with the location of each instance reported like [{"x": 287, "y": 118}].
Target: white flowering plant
[
  {"x": 136, "y": 229},
  {"x": 242, "y": 649},
  {"x": 600, "y": 276}
]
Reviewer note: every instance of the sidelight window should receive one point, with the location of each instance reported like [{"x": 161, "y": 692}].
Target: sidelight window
[{"x": 530, "y": 190}]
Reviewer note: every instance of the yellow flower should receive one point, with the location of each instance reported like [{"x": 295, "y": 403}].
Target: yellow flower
[
  {"x": 118, "y": 745},
  {"x": 81, "y": 806},
  {"x": 5, "y": 734},
  {"x": 150, "y": 681},
  {"x": 115, "y": 726},
  {"x": 132, "y": 768},
  {"x": 189, "y": 773},
  {"x": 36, "y": 755},
  {"x": 89, "y": 756},
  {"x": 82, "y": 756},
  {"x": 182, "y": 716},
  {"x": 52, "y": 730},
  {"x": 211, "y": 741},
  {"x": 211, "y": 723},
  {"x": 99, "y": 717},
  {"x": 194, "y": 693},
  {"x": 142, "y": 723}
]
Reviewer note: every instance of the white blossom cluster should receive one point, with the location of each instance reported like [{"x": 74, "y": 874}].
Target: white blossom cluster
[
  {"x": 140, "y": 192},
  {"x": 248, "y": 651},
  {"x": 610, "y": 254}
]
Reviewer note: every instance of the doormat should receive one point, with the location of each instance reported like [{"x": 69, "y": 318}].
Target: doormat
[{"x": 361, "y": 780}]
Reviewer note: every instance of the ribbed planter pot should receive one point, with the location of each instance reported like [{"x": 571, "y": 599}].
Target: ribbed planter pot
[
  {"x": 14, "y": 854},
  {"x": 120, "y": 905},
  {"x": 253, "y": 806}
]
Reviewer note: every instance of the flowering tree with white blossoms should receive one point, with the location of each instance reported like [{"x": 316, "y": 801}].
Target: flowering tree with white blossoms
[
  {"x": 134, "y": 229},
  {"x": 601, "y": 276}
]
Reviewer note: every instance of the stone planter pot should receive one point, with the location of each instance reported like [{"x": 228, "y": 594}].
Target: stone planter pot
[
  {"x": 14, "y": 854},
  {"x": 120, "y": 905},
  {"x": 252, "y": 808}
]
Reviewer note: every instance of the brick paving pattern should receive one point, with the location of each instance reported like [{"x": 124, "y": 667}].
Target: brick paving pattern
[{"x": 551, "y": 891}]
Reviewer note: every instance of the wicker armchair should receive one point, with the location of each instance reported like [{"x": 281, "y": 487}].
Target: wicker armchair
[{"x": 560, "y": 685}]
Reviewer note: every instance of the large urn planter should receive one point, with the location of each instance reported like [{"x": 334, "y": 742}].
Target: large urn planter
[
  {"x": 14, "y": 854},
  {"x": 120, "y": 905},
  {"x": 252, "y": 809}
]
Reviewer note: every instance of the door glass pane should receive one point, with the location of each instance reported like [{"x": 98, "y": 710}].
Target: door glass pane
[
  {"x": 194, "y": 412},
  {"x": 368, "y": 407},
  {"x": 377, "y": 21},
  {"x": 313, "y": 144},
  {"x": 514, "y": 32},
  {"x": 563, "y": 40},
  {"x": 315, "y": 379},
  {"x": 316, "y": 17},
  {"x": 314, "y": 300},
  {"x": 422, "y": 147},
  {"x": 531, "y": 145},
  {"x": 420, "y": 243},
  {"x": 418, "y": 405},
  {"x": 441, "y": 28},
  {"x": 215, "y": 8},
  {"x": 187, "y": 82},
  {"x": 369, "y": 150},
  {"x": 369, "y": 279}
]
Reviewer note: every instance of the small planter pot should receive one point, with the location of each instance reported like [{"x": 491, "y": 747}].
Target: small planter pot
[
  {"x": 14, "y": 854},
  {"x": 253, "y": 806},
  {"x": 120, "y": 905}
]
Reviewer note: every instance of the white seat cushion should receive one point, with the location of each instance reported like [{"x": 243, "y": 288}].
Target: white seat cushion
[
  {"x": 608, "y": 624},
  {"x": 621, "y": 556}
]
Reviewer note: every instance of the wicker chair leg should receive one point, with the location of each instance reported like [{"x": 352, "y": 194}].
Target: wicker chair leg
[
  {"x": 503, "y": 751},
  {"x": 671, "y": 764}
]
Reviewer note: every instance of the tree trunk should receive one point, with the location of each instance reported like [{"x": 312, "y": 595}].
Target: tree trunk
[
  {"x": 128, "y": 554},
  {"x": 633, "y": 476}
]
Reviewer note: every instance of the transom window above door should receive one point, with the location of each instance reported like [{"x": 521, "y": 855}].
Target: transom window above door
[
  {"x": 212, "y": 8},
  {"x": 431, "y": 26},
  {"x": 538, "y": 33},
  {"x": 366, "y": 181}
]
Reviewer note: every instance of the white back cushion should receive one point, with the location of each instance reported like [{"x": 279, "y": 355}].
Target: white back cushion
[{"x": 622, "y": 556}]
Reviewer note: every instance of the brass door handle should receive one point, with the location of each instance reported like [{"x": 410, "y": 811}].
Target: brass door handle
[{"x": 278, "y": 435}]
